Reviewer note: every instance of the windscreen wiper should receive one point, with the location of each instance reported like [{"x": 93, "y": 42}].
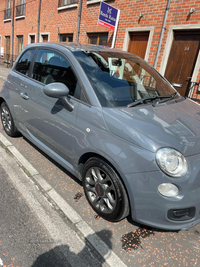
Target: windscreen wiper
[
  {"x": 169, "y": 98},
  {"x": 165, "y": 100},
  {"x": 143, "y": 100}
]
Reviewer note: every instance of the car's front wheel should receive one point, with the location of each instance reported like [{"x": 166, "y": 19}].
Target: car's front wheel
[
  {"x": 7, "y": 121},
  {"x": 104, "y": 190}
]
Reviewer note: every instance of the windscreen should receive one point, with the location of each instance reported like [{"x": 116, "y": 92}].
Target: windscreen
[{"x": 119, "y": 79}]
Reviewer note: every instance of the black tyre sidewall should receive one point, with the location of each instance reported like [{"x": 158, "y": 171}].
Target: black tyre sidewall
[
  {"x": 13, "y": 130},
  {"x": 116, "y": 215}
]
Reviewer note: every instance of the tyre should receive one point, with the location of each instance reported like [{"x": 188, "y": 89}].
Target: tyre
[
  {"x": 104, "y": 190},
  {"x": 7, "y": 121}
]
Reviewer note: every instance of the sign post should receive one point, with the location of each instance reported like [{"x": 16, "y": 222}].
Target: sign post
[{"x": 109, "y": 18}]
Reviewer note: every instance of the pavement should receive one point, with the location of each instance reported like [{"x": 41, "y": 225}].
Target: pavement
[
  {"x": 4, "y": 72},
  {"x": 119, "y": 244}
]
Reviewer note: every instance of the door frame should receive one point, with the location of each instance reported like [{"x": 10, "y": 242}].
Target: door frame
[
  {"x": 168, "y": 45},
  {"x": 139, "y": 29}
]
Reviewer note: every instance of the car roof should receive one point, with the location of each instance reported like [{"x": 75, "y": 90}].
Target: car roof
[{"x": 77, "y": 47}]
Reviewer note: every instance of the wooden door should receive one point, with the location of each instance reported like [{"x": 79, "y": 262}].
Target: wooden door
[
  {"x": 20, "y": 44},
  {"x": 7, "y": 48},
  {"x": 138, "y": 43},
  {"x": 182, "y": 59}
]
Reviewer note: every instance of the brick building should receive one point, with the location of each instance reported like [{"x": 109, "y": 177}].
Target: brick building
[{"x": 139, "y": 31}]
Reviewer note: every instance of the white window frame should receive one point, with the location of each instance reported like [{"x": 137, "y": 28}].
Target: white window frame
[
  {"x": 67, "y": 6},
  {"x": 29, "y": 37},
  {"x": 23, "y": 16},
  {"x": 44, "y": 33},
  {"x": 139, "y": 29}
]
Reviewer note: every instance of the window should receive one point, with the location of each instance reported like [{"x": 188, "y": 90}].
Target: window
[
  {"x": 8, "y": 3},
  {"x": 7, "y": 11},
  {"x": 98, "y": 38},
  {"x": 94, "y": 1},
  {"x": 66, "y": 37},
  {"x": 31, "y": 39},
  {"x": 45, "y": 38},
  {"x": 19, "y": 44},
  {"x": 23, "y": 64},
  {"x": 66, "y": 2},
  {"x": 20, "y": 8},
  {"x": 119, "y": 79},
  {"x": 52, "y": 67}
]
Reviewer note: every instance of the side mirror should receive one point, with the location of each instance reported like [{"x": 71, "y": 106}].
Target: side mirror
[{"x": 61, "y": 91}]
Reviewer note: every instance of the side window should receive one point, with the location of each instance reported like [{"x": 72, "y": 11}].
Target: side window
[
  {"x": 52, "y": 67},
  {"x": 23, "y": 64}
]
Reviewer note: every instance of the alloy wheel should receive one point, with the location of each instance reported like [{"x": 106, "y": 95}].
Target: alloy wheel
[
  {"x": 6, "y": 119},
  {"x": 100, "y": 190}
]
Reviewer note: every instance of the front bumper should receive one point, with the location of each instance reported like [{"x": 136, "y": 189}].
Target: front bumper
[{"x": 150, "y": 208}]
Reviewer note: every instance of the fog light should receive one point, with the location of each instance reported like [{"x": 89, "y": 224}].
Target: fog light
[
  {"x": 168, "y": 190},
  {"x": 181, "y": 214}
]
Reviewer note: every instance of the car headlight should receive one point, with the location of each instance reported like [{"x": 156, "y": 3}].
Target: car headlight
[{"x": 171, "y": 162}]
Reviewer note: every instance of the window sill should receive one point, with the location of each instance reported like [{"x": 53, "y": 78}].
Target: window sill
[
  {"x": 67, "y": 7},
  {"x": 5, "y": 20},
  {"x": 20, "y": 17},
  {"x": 94, "y": 2}
]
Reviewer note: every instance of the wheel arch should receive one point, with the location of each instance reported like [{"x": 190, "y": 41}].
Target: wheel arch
[
  {"x": 86, "y": 156},
  {"x": 1, "y": 100}
]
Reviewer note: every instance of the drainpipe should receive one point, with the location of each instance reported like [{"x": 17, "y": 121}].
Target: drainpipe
[
  {"x": 38, "y": 29},
  {"x": 58, "y": 35},
  {"x": 162, "y": 32},
  {"x": 13, "y": 14},
  {"x": 79, "y": 21}
]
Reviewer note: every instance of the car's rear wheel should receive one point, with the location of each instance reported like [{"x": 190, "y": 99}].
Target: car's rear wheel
[
  {"x": 7, "y": 121},
  {"x": 104, "y": 190}
]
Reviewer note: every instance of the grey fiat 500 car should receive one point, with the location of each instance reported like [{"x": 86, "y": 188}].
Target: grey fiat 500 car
[{"x": 114, "y": 122}]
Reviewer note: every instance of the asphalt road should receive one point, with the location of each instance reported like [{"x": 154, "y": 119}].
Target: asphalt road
[
  {"x": 135, "y": 245},
  {"x": 24, "y": 240},
  {"x": 32, "y": 232}
]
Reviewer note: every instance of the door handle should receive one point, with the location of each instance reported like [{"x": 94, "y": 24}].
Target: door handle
[
  {"x": 177, "y": 85},
  {"x": 24, "y": 96}
]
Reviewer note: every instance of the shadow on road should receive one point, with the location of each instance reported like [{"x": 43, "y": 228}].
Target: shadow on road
[{"x": 62, "y": 256}]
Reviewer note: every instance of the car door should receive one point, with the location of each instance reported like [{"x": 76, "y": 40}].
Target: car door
[
  {"x": 45, "y": 119},
  {"x": 16, "y": 81}
]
